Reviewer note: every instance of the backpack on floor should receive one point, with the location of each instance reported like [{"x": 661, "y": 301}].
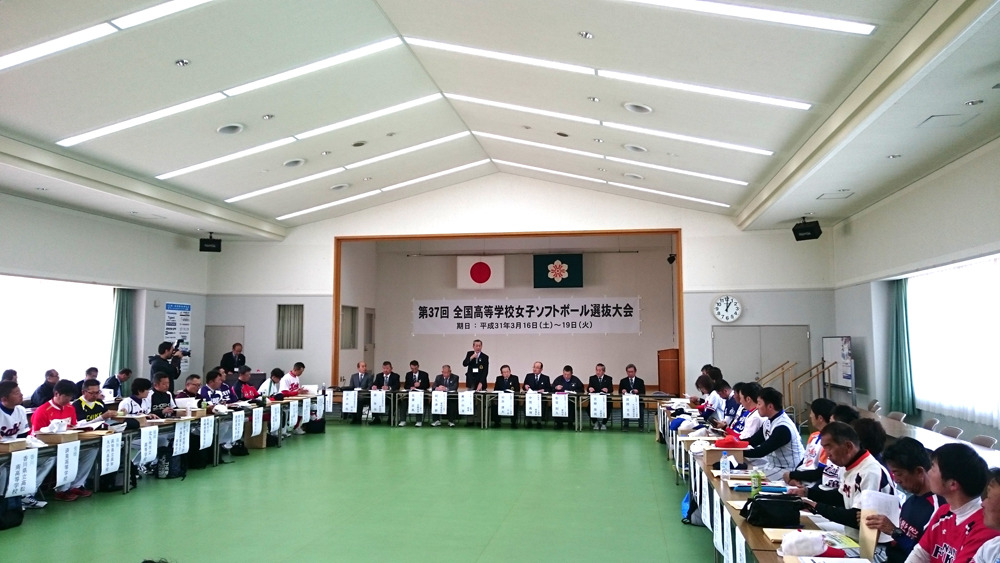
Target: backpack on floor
[
  {"x": 11, "y": 514},
  {"x": 170, "y": 466},
  {"x": 690, "y": 511},
  {"x": 314, "y": 426}
]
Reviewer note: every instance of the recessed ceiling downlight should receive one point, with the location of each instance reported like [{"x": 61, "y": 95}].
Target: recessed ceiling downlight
[
  {"x": 635, "y": 148},
  {"x": 230, "y": 129},
  {"x": 637, "y": 108},
  {"x": 340, "y": 186},
  {"x": 294, "y": 162},
  {"x": 634, "y": 176}
]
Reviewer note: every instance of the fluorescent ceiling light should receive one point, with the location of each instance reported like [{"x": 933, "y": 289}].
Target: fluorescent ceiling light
[
  {"x": 435, "y": 175},
  {"x": 522, "y": 109},
  {"x": 707, "y": 90},
  {"x": 227, "y": 158},
  {"x": 156, "y": 12},
  {"x": 329, "y": 205},
  {"x": 761, "y": 14},
  {"x": 668, "y": 194},
  {"x": 316, "y": 66},
  {"x": 678, "y": 171},
  {"x": 55, "y": 45},
  {"x": 129, "y": 123},
  {"x": 687, "y": 139},
  {"x": 407, "y": 150},
  {"x": 499, "y": 56},
  {"x": 536, "y": 145},
  {"x": 277, "y": 187},
  {"x": 547, "y": 171},
  {"x": 368, "y": 116}
]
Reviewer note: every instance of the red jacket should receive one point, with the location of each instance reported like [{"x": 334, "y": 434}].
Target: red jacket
[{"x": 48, "y": 412}]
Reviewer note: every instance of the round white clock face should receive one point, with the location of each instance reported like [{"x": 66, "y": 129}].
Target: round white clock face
[{"x": 727, "y": 308}]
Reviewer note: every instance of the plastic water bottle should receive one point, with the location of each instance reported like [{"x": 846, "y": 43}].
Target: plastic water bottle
[{"x": 724, "y": 466}]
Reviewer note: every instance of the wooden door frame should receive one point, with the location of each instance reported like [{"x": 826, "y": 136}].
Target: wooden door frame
[{"x": 676, "y": 269}]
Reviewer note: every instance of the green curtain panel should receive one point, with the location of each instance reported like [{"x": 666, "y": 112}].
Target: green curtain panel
[
  {"x": 901, "y": 396},
  {"x": 121, "y": 339}
]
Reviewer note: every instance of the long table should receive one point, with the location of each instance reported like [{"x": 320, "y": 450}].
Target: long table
[{"x": 930, "y": 439}]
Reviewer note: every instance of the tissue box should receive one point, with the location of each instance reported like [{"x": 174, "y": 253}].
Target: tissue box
[
  {"x": 91, "y": 434},
  {"x": 59, "y": 437},
  {"x": 195, "y": 413},
  {"x": 140, "y": 418},
  {"x": 13, "y": 446}
]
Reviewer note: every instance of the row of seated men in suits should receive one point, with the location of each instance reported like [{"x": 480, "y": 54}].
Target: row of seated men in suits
[{"x": 419, "y": 380}]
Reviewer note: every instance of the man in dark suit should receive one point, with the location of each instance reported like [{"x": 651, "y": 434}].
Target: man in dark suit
[
  {"x": 538, "y": 381},
  {"x": 600, "y": 382},
  {"x": 416, "y": 380},
  {"x": 361, "y": 381},
  {"x": 388, "y": 380},
  {"x": 232, "y": 361},
  {"x": 477, "y": 367},
  {"x": 567, "y": 383},
  {"x": 447, "y": 381},
  {"x": 633, "y": 385},
  {"x": 505, "y": 383}
]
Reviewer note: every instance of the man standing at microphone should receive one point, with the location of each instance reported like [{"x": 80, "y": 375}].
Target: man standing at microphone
[{"x": 477, "y": 366}]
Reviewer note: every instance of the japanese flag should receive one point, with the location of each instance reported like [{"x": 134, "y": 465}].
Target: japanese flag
[{"x": 480, "y": 272}]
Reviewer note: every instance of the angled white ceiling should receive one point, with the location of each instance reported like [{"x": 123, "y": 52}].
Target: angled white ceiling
[{"x": 869, "y": 96}]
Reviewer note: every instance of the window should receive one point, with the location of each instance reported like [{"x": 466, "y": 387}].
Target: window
[
  {"x": 290, "y": 323},
  {"x": 348, "y": 328},
  {"x": 953, "y": 314},
  {"x": 54, "y": 325}
]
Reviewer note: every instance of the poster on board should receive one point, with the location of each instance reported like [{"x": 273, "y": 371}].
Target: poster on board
[{"x": 177, "y": 327}]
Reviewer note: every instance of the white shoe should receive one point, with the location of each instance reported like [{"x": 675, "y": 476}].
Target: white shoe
[
  {"x": 402, "y": 423},
  {"x": 603, "y": 427},
  {"x": 436, "y": 423},
  {"x": 597, "y": 426},
  {"x": 451, "y": 424},
  {"x": 419, "y": 424},
  {"x": 298, "y": 431},
  {"x": 30, "y": 501}
]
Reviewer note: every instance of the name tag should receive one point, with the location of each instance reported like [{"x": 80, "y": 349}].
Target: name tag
[{"x": 475, "y": 370}]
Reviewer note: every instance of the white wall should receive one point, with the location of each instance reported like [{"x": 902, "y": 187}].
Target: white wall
[
  {"x": 645, "y": 274},
  {"x": 359, "y": 269},
  {"x": 50, "y": 242},
  {"x": 150, "y": 319},
  {"x": 258, "y": 314}
]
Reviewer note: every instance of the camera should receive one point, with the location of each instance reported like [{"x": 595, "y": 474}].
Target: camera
[{"x": 177, "y": 346}]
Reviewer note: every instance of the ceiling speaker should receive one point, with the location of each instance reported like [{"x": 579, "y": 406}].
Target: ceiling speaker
[{"x": 807, "y": 230}]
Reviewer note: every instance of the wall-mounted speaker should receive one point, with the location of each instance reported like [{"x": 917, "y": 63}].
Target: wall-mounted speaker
[{"x": 807, "y": 230}]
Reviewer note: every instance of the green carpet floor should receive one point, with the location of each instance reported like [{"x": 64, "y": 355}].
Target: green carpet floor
[{"x": 390, "y": 494}]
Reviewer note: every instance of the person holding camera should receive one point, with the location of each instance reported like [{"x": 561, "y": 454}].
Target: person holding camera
[{"x": 166, "y": 361}]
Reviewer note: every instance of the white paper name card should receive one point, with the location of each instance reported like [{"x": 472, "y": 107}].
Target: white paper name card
[
  {"x": 416, "y": 402},
  {"x": 23, "y": 468},
  {"x": 505, "y": 404},
  {"x": 320, "y": 407},
  {"x": 350, "y": 401},
  {"x": 67, "y": 462},
  {"x": 717, "y": 523},
  {"x": 207, "y": 432},
  {"x": 182, "y": 437},
  {"x": 111, "y": 450},
  {"x": 329, "y": 401},
  {"x": 148, "y": 436},
  {"x": 239, "y": 419},
  {"x": 307, "y": 407},
  {"x": 598, "y": 406},
  {"x": 466, "y": 403},
  {"x": 741, "y": 546},
  {"x": 439, "y": 402},
  {"x": 275, "y": 417},
  {"x": 293, "y": 413},
  {"x": 258, "y": 421},
  {"x": 560, "y": 405},
  {"x": 533, "y": 404},
  {"x": 727, "y": 537},
  {"x": 704, "y": 501},
  {"x": 378, "y": 402},
  {"x": 630, "y": 407}
]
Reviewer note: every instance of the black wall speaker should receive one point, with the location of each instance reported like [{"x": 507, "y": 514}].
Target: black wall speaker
[{"x": 807, "y": 230}]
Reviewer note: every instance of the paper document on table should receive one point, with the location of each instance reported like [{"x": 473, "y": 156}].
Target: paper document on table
[
  {"x": 880, "y": 503},
  {"x": 186, "y": 403},
  {"x": 90, "y": 424}
]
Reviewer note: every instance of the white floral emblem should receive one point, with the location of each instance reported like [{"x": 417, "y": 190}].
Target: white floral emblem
[{"x": 558, "y": 271}]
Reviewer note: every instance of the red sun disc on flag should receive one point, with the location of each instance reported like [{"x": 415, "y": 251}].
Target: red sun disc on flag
[{"x": 480, "y": 272}]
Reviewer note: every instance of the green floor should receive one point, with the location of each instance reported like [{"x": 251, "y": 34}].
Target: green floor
[{"x": 400, "y": 494}]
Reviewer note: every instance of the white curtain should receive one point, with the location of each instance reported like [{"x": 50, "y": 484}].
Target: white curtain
[{"x": 954, "y": 332}]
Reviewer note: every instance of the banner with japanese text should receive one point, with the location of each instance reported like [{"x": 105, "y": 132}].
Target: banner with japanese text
[{"x": 577, "y": 315}]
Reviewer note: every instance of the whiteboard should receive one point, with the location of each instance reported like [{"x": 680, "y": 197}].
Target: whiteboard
[{"x": 838, "y": 349}]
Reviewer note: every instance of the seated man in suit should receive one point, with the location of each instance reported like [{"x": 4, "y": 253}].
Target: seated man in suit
[
  {"x": 538, "y": 381},
  {"x": 567, "y": 383},
  {"x": 416, "y": 380},
  {"x": 633, "y": 385},
  {"x": 387, "y": 380},
  {"x": 505, "y": 383},
  {"x": 447, "y": 381},
  {"x": 361, "y": 381},
  {"x": 232, "y": 361},
  {"x": 600, "y": 382},
  {"x": 90, "y": 374}
]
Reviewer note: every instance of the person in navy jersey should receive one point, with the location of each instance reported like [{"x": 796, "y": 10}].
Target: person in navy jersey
[
  {"x": 216, "y": 391},
  {"x": 909, "y": 462}
]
